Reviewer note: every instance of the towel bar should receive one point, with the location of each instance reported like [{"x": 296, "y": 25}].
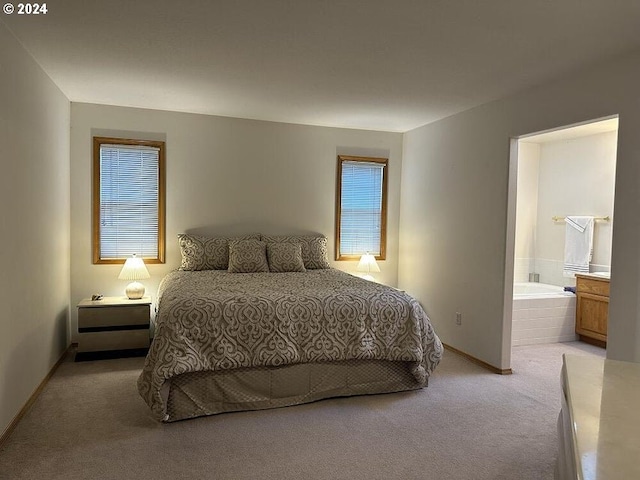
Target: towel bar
[{"x": 605, "y": 219}]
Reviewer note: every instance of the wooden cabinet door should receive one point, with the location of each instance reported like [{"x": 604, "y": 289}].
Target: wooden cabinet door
[{"x": 592, "y": 315}]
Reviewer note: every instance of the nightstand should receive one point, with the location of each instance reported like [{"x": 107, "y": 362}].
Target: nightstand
[{"x": 112, "y": 327}]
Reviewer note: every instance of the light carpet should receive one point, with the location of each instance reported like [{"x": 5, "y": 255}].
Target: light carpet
[{"x": 90, "y": 423}]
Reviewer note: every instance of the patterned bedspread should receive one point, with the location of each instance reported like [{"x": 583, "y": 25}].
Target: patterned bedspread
[{"x": 215, "y": 320}]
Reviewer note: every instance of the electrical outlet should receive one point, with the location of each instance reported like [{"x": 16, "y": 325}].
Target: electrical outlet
[{"x": 458, "y": 318}]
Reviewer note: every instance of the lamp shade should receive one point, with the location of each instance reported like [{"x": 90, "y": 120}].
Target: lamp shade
[
  {"x": 368, "y": 264},
  {"x": 134, "y": 269}
]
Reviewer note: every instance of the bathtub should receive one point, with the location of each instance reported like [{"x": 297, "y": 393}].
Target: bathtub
[
  {"x": 533, "y": 290},
  {"x": 542, "y": 314}
]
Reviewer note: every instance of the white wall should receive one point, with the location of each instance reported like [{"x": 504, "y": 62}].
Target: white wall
[
  {"x": 34, "y": 253},
  {"x": 526, "y": 210},
  {"x": 226, "y": 174},
  {"x": 558, "y": 178},
  {"x": 453, "y": 227},
  {"x": 576, "y": 177}
]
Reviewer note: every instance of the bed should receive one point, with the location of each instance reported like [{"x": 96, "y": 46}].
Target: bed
[{"x": 228, "y": 340}]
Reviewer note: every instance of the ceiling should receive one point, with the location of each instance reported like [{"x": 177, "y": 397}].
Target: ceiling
[
  {"x": 573, "y": 132},
  {"x": 372, "y": 64}
]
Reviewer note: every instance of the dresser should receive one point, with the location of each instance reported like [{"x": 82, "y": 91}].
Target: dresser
[
  {"x": 113, "y": 324},
  {"x": 592, "y": 308},
  {"x": 599, "y": 425}
]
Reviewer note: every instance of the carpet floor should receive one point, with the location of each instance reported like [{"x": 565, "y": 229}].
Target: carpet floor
[{"x": 90, "y": 423}]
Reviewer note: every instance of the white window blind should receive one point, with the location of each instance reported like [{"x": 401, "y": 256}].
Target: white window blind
[
  {"x": 361, "y": 208},
  {"x": 129, "y": 192}
]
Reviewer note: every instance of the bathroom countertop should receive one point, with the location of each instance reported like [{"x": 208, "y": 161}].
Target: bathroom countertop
[
  {"x": 603, "y": 398},
  {"x": 600, "y": 275}
]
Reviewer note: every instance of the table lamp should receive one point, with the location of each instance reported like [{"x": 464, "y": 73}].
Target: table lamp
[
  {"x": 135, "y": 270},
  {"x": 369, "y": 265}
]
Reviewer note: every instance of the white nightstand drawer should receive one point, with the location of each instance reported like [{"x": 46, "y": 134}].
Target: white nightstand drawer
[
  {"x": 113, "y": 340},
  {"x": 113, "y": 316},
  {"x": 113, "y": 324}
]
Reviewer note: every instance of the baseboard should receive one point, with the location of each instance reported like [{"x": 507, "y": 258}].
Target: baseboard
[
  {"x": 23, "y": 411},
  {"x": 491, "y": 368}
]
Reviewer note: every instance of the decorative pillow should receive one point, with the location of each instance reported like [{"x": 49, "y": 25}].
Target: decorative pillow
[
  {"x": 207, "y": 253},
  {"x": 285, "y": 257},
  {"x": 316, "y": 255},
  {"x": 248, "y": 256},
  {"x": 314, "y": 248}
]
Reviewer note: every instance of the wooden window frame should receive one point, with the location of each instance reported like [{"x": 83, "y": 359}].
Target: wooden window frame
[
  {"x": 97, "y": 143},
  {"x": 383, "y": 214}
]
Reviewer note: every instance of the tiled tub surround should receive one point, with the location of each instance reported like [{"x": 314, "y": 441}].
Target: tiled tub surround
[
  {"x": 550, "y": 271},
  {"x": 542, "y": 314}
]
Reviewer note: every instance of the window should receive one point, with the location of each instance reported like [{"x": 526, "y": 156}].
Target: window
[
  {"x": 128, "y": 200},
  {"x": 361, "y": 207}
]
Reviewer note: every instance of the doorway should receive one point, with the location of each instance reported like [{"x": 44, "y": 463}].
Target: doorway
[{"x": 554, "y": 176}]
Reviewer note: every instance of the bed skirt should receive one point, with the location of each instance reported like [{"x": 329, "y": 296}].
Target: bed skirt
[{"x": 196, "y": 394}]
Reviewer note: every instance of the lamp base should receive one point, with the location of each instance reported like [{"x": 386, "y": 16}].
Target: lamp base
[
  {"x": 134, "y": 291},
  {"x": 369, "y": 277}
]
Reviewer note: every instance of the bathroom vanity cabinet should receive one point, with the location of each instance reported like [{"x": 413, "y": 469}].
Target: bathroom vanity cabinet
[{"x": 592, "y": 308}]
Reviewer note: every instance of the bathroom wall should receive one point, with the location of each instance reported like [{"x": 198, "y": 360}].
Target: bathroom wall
[
  {"x": 526, "y": 210},
  {"x": 574, "y": 177}
]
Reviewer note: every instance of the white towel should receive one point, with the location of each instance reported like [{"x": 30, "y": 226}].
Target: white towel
[{"x": 578, "y": 245}]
